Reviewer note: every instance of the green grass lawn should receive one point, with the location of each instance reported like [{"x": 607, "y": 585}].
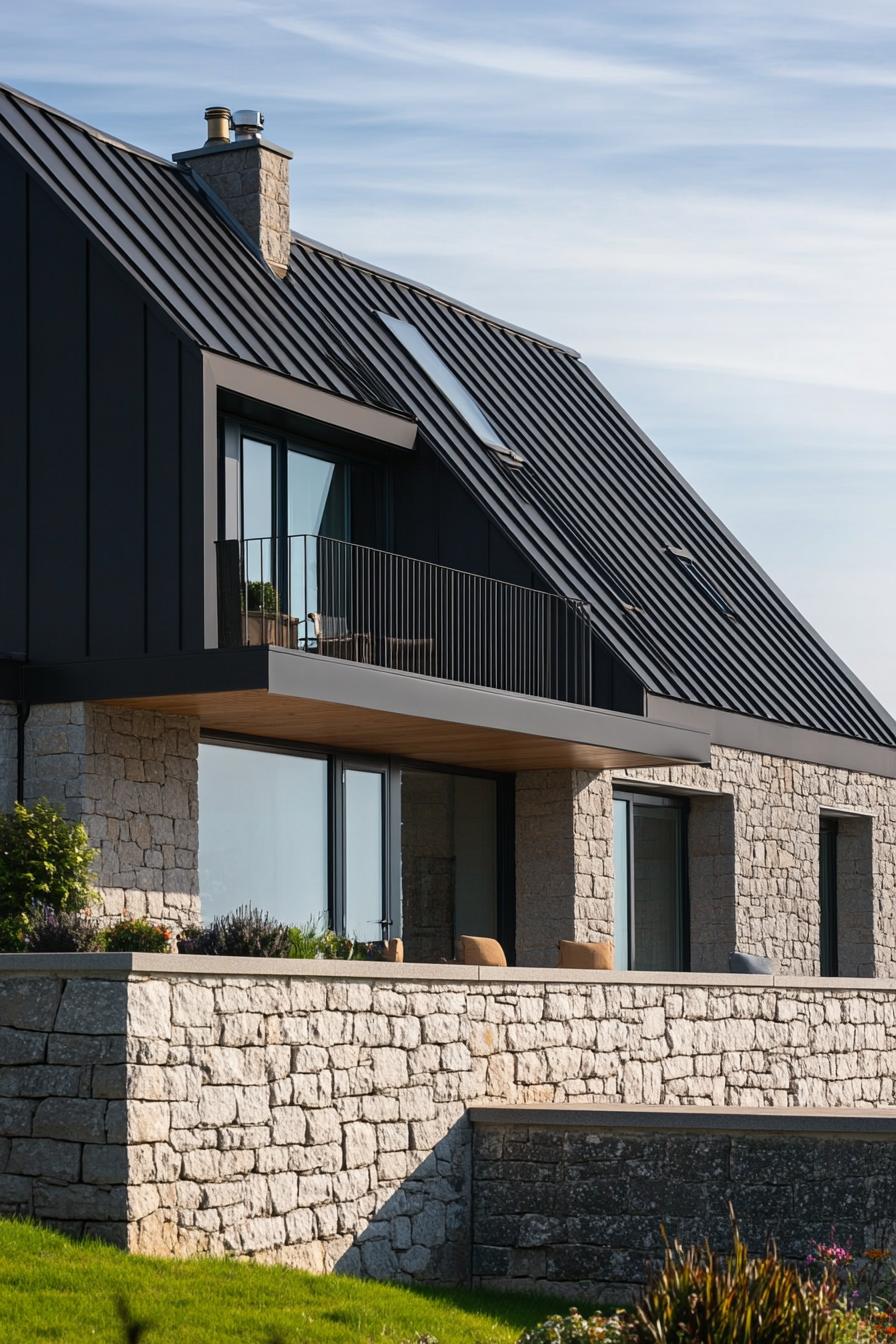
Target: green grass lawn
[{"x": 55, "y": 1289}]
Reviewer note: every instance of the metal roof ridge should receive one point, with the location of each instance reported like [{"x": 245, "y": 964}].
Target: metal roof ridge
[
  {"x": 433, "y": 293},
  {"x": 94, "y": 131}
]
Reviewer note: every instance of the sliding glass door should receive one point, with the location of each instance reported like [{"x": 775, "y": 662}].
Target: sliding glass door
[{"x": 650, "y": 851}]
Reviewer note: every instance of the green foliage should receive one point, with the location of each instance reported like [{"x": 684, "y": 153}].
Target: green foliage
[
  {"x": 44, "y": 861},
  {"x": 259, "y": 596},
  {"x": 136, "y": 935},
  {"x": 50, "y": 930},
  {"x": 314, "y": 941},
  {"x": 56, "y": 1289},
  {"x": 245, "y": 932},
  {"x": 574, "y": 1328},
  {"x": 700, "y": 1296}
]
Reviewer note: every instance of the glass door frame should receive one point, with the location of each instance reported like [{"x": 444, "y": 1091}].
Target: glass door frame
[
  {"x": 679, "y": 802},
  {"x": 391, "y": 851}
]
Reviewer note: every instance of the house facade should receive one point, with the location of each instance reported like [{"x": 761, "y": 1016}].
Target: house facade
[{"x": 330, "y": 594}]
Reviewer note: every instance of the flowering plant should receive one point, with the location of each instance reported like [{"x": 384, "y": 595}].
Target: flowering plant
[{"x": 574, "y": 1328}]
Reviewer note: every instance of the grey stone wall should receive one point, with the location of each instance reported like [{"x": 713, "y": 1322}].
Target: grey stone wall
[
  {"x": 63, "y": 1153},
  {"x": 131, "y": 777},
  {"x": 753, "y": 860},
  {"x": 564, "y": 861},
  {"x": 578, "y": 1211},
  {"x": 427, "y": 866},
  {"x": 316, "y": 1115}
]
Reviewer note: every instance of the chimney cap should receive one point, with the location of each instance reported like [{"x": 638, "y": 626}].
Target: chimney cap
[
  {"x": 247, "y": 124},
  {"x": 218, "y": 123}
]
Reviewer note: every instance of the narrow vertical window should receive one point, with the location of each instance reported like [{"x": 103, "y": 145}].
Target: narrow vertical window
[
  {"x": 828, "y": 836},
  {"x": 652, "y": 931}
]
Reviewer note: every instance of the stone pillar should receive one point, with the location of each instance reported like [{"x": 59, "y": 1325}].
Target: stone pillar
[
  {"x": 131, "y": 777},
  {"x": 711, "y": 881},
  {"x": 855, "y": 897},
  {"x": 564, "y": 861}
]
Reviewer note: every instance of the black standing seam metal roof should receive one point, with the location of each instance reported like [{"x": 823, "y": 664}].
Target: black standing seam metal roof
[{"x": 594, "y": 507}]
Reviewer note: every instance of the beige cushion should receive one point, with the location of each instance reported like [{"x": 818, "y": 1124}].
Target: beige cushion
[
  {"x": 585, "y": 956},
  {"x": 481, "y": 951},
  {"x": 394, "y": 950}
]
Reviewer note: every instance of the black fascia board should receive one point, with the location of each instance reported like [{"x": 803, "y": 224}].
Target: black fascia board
[{"x": 206, "y": 671}]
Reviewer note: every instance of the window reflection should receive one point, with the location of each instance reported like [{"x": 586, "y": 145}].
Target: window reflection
[{"x": 262, "y": 833}]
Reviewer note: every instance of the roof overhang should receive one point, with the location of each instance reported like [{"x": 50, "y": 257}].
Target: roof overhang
[
  {"x": 301, "y": 697},
  {"x": 767, "y": 738},
  {"x": 313, "y": 404}
]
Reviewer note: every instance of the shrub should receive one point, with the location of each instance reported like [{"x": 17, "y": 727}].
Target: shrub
[
  {"x": 735, "y": 1299},
  {"x": 50, "y": 930},
  {"x": 44, "y": 861},
  {"x": 260, "y": 596},
  {"x": 245, "y": 932},
  {"x": 314, "y": 940},
  {"x": 577, "y": 1329},
  {"x": 136, "y": 935}
]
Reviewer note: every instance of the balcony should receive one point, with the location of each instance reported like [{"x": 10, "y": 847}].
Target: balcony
[{"x": 338, "y": 600}]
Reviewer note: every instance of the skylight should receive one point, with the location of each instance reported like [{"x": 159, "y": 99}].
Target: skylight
[
  {"x": 691, "y": 567},
  {"x": 438, "y": 372}
]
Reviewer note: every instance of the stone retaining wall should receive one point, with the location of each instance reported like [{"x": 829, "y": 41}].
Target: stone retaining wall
[
  {"x": 572, "y": 1204},
  {"x": 315, "y": 1113}
]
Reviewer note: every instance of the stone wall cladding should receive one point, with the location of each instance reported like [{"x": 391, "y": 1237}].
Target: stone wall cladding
[
  {"x": 777, "y": 804},
  {"x": 318, "y": 1119},
  {"x": 578, "y": 1211},
  {"x": 131, "y": 777},
  {"x": 63, "y": 1153},
  {"x": 564, "y": 861},
  {"x": 753, "y": 859},
  {"x": 253, "y": 182}
]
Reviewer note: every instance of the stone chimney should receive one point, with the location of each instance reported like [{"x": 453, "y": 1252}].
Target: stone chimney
[{"x": 250, "y": 176}]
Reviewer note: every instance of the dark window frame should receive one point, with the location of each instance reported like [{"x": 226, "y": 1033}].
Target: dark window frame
[
  {"x": 392, "y": 768},
  {"x": 680, "y": 803},
  {"x": 282, "y": 443}
]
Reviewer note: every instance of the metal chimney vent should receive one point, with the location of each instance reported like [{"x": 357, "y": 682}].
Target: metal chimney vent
[{"x": 247, "y": 124}]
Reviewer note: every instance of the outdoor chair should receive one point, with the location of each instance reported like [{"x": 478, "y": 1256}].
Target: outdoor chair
[
  {"x": 585, "y": 956},
  {"x": 475, "y": 951},
  {"x": 333, "y": 638},
  {"x": 394, "y": 950},
  {"x": 744, "y": 963}
]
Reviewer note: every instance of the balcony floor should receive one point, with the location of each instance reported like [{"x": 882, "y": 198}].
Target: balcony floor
[{"x": 303, "y": 697}]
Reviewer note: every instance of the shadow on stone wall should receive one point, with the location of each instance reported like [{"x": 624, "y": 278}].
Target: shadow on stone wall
[{"x": 422, "y": 1232}]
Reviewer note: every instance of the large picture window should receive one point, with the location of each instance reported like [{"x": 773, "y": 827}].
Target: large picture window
[
  {"x": 371, "y": 847},
  {"x": 650, "y": 848}
]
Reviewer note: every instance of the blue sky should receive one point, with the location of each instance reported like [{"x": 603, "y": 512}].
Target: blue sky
[{"x": 699, "y": 195}]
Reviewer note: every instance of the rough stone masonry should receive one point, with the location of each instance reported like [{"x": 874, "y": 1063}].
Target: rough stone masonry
[{"x": 316, "y": 1114}]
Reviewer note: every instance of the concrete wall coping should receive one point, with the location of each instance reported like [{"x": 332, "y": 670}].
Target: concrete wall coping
[
  {"x": 880, "y": 1120},
  {"x": 104, "y": 964}
]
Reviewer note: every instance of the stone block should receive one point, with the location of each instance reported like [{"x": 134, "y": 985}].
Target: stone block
[
  {"x": 29, "y": 1003},
  {"x": 360, "y": 1144},
  {"x": 76, "y": 1119},
  {"x": 48, "y": 1158},
  {"x": 93, "y": 1007}
]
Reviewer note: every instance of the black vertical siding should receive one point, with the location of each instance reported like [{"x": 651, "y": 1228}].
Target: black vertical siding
[
  {"x": 57, "y": 288},
  {"x": 13, "y": 409},
  {"x": 101, "y": 442},
  {"x": 117, "y": 464}
]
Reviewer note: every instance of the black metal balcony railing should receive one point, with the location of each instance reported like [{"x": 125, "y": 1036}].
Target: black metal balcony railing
[{"x": 345, "y": 601}]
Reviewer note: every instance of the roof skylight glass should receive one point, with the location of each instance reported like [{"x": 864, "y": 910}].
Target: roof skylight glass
[{"x": 438, "y": 372}]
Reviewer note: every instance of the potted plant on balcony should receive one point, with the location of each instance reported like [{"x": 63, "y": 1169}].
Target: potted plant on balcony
[{"x": 263, "y": 620}]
